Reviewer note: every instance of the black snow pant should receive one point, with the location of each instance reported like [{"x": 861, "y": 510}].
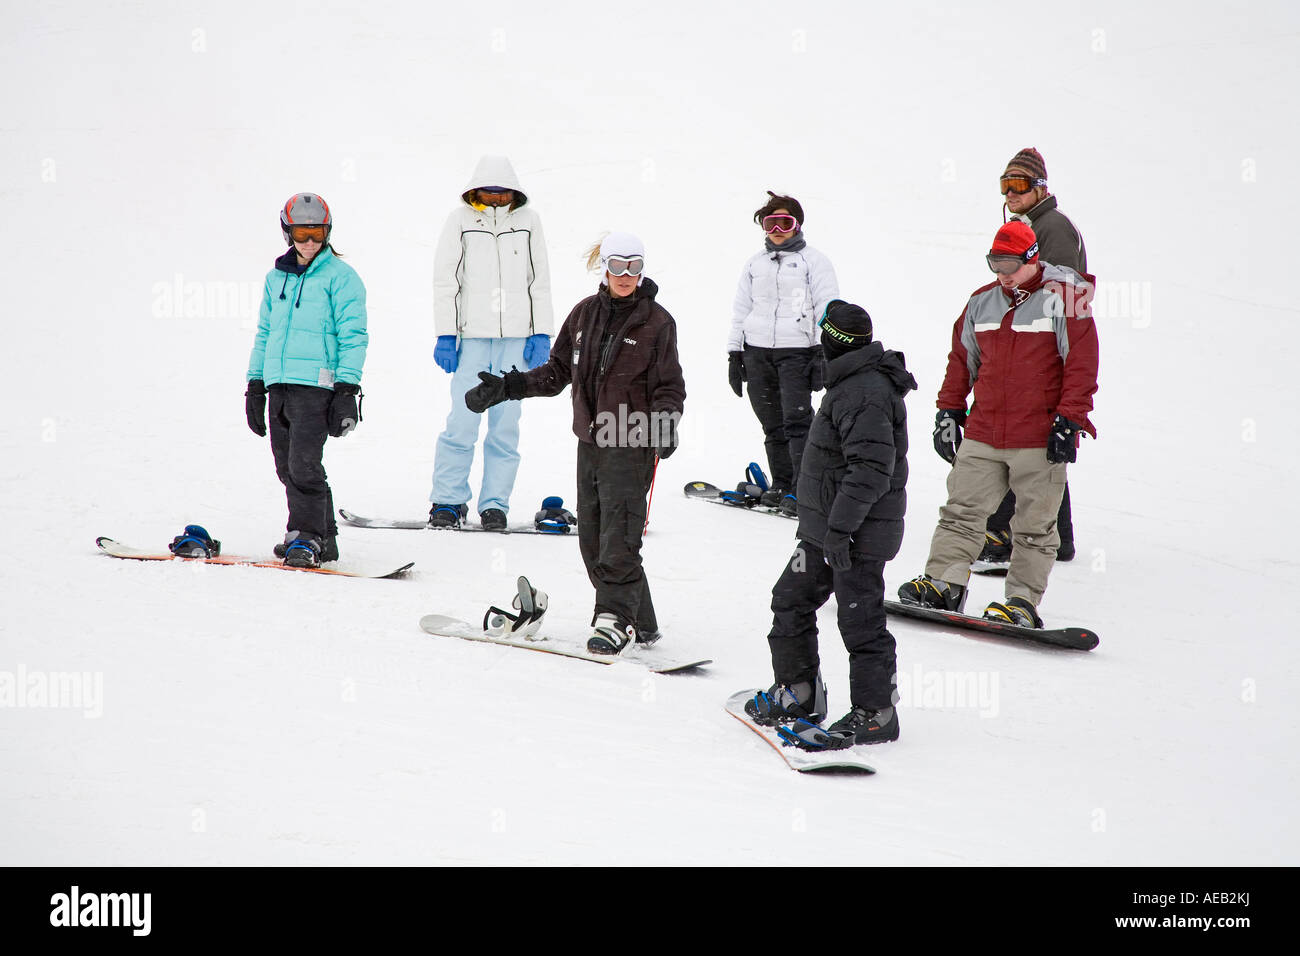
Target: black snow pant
[
  {"x": 779, "y": 382},
  {"x": 297, "y": 417},
  {"x": 1000, "y": 520},
  {"x": 612, "y": 487},
  {"x": 804, "y": 586}
]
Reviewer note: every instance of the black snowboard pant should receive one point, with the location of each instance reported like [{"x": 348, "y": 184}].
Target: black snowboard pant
[
  {"x": 804, "y": 586},
  {"x": 1000, "y": 520},
  {"x": 297, "y": 418},
  {"x": 612, "y": 487},
  {"x": 779, "y": 382}
]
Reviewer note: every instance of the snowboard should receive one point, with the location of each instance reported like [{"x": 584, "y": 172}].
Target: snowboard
[
  {"x": 422, "y": 524},
  {"x": 444, "y": 626},
  {"x": 118, "y": 550},
  {"x": 704, "y": 491},
  {"x": 1075, "y": 638},
  {"x": 804, "y": 761}
]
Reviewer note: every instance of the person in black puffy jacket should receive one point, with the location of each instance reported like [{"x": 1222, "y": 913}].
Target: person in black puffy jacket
[{"x": 852, "y": 499}]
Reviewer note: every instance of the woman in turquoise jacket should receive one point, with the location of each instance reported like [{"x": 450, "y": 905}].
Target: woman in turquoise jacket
[{"x": 307, "y": 356}]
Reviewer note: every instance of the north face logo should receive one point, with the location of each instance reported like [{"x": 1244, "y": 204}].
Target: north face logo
[{"x": 629, "y": 341}]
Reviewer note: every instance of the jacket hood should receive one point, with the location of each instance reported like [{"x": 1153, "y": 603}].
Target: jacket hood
[
  {"x": 872, "y": 357},
  {"x": 494, "y": 171}
]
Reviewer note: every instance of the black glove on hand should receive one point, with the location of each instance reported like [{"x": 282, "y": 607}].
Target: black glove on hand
[
  {"x": 947, "y": 432},
  {"x": 817, "y": 371},
  {"x": 495, "y": 389},
  {"x": 836, "y": 548},
  {"x": 255, "y": 407},
  {"x": 344, "y": 412},
  {"x": 736, "y": 371},
  {"x": 1062, "y": 441},
  {"x": 667, "y": 436}
]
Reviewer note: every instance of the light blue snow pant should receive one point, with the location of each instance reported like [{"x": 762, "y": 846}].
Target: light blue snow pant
[{"x": 455, "y": 452}]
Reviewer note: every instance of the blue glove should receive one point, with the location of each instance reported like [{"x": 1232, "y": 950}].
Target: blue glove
[
  {"x": 444, "y": 353},
  {"x": 537, "y": 350}
]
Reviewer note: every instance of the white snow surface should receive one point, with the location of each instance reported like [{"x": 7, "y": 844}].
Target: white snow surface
[{"x": 251, "y": 716}]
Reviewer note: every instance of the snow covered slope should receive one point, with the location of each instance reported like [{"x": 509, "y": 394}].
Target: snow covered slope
[{"x": 233, "y": 715}]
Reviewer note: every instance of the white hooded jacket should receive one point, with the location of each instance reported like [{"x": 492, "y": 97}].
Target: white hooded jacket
[
  {"x": 491, "y": 278},
  {"x": 780, "y": 298}
]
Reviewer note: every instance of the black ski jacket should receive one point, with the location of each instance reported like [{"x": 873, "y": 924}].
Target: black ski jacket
[{"x": 853, "y": 475}]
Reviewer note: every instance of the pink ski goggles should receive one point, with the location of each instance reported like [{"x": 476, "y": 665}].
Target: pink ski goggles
[
  {"x": 779, "y": 223},
  {"x": 624, "y": 265}
]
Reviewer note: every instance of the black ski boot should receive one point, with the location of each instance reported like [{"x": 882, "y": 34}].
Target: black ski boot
[
  {"x": 301, "y": 550},
  {"x": 926, "y": 591},
  {"x": 864, "y": 726},
  {"x": 1017, "y": 610},
  {"x": 997, "y": 547},
  {"x": 329, "y": 549},
  {"x": 782, "y": 703},
  {"x": 493, "y": 519},
  {"x": 447, "y": 516}
]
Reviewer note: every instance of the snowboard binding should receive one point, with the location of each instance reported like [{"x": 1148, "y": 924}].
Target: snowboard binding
[
  {"x": 749, "y": 491},
  {"x": 553, "y": 518},
  {"x": 194, "y": 542},
  {"x": 530, "y": 607}
]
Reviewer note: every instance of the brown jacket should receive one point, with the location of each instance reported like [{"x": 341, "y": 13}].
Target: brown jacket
[{"x": 620, "y": 356}]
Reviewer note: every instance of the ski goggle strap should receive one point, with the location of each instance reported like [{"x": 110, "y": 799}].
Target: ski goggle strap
[
  {"x": 624, "y": 265},
  {"x": 1019, "y": 184}
]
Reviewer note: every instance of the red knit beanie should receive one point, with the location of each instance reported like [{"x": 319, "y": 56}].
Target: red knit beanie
[{"x": 1016, "y": 239}]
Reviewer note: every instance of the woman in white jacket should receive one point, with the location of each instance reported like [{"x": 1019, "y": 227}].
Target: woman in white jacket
[
  {"x": 492, "y": 313},
  {"x": 774, "y": 344}
]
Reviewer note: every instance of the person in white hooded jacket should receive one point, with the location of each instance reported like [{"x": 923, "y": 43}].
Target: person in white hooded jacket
[
  {"x": 491, "y": 312},
  {"x": 774, "y": 340}
]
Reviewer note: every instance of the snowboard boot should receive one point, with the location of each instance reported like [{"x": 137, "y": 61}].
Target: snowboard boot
[
  {"x": 1016, "y": 610},
  {"x": 997, "y": 547},
  {"x": 645, "y": 636},
  {"x": 194, "y": 542},
  {"x": 301, "y": 550},
  {"x": 864, "y": 726},
  {"x": 493, "y": 519},
  {"x": 609, "y": 635},
  {"x": 772, "y": 497},
  {"x": 447, "y": 516},
  {"x": 926, "y": 591},
  {"x": 329, "y": 548},
  {"x": 782, "y": 703},
  {"x": 1066, "y": 551},
  {"x": 789, "y": 506}
]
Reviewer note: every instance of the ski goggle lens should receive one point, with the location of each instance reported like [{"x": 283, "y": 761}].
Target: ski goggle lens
[
  {"x": 780, "y": 223},
  {"x": 308, "y": 233},
  {"x": 1016, "y": 184},
  {"x": 624, "y": 265},
  {"x": 1004, "y": 265}
]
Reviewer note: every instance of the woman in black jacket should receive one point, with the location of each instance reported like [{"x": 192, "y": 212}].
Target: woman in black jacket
[
  {"x": 618, "y": 350},
  {"x": 852, "y": 498}
]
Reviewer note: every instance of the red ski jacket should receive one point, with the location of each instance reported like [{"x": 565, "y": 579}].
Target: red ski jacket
[{"x": 1026, "y": 362}]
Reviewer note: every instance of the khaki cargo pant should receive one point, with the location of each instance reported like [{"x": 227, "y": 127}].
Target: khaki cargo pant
[{"x": 977, "y": 483}]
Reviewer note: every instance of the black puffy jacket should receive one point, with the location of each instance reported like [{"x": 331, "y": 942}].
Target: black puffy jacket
[{"x": 853, "y": 476}]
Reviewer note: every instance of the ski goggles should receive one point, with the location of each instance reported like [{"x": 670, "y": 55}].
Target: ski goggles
[
  {"x": 1019, "y": 184},
  {"x": 308, "y": 233},
  {"x": 624, "y": 265},
  {"x": 780, "y": 223}
]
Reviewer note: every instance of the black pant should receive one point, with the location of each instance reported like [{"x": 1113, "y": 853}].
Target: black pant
[
  {"x": 612, "y": 487},
  {"x": 1000, "y": 520},
  {"x": 297, "y": 417},
  {"x": 805, "y": 585},
  {"x": 780, "y": 392}
]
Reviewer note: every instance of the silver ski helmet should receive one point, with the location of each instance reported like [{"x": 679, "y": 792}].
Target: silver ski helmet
[{"x": 305, "y": 209}]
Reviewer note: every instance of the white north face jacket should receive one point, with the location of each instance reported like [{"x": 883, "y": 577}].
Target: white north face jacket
[
  {"x": 491, "y": 278},
  {"x": 780, "y": 298}
]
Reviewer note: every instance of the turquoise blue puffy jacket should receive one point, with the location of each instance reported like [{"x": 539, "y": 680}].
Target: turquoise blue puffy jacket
[{"x": 312, "y": 327}]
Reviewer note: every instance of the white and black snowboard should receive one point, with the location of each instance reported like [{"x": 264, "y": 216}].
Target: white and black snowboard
[
  {"x": 422, "y": 524},
  {"x": 848, "y": 760}
]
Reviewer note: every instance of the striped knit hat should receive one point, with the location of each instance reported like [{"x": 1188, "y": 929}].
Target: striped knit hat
[{"x": 1028, "y": 162}]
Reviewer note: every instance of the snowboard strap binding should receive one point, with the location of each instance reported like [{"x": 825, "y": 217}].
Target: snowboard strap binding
[
  {"x": 530, "y": 607},
  {"x": 553, "y": 518},
  {"x": 809, "y": 736},
  {"x": 194, "y": 542}
]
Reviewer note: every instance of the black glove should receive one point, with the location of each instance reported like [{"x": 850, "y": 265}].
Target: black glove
[
  {"x": 836, "y": 548},
  {"x": 817, "y": 371},
  {"x": 495, "y": 389},
  {"x": 344, "y": 411},
  {"x": 667, "y": 436},
  {"x": 255, "y": 407},
  {"x": 736, "y": 371},
  {"x": 947, "y": 432},
  {"x": 1062, "y": 441}
]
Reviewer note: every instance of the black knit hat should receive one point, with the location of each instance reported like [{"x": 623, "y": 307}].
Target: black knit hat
[{"x": 845, "y": 327}]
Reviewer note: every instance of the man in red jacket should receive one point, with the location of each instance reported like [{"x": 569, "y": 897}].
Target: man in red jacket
[{"x": 1026, "y": 344}]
